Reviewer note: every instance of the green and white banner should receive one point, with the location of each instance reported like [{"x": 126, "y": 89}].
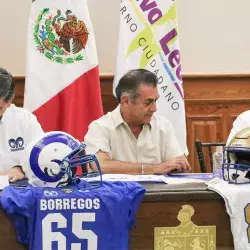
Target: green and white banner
[{"x": 148, "y": 38}]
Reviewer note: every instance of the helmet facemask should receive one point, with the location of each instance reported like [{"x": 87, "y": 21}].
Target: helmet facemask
[{"x": 236, "y": 158}]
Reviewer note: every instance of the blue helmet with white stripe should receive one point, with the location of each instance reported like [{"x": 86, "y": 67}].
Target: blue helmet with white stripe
[{"x": 51, "y": 159}]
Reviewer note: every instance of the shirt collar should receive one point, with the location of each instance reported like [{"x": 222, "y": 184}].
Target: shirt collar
[
  {"x": 117, "y": 116},
  {"x": 118, "y": 120},
  {"x": 5, "y": 114}
]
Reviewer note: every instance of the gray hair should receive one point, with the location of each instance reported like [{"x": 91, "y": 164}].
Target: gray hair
[
  {"x": 130, "y": 82},
  {"x": 7, "y": 85}
]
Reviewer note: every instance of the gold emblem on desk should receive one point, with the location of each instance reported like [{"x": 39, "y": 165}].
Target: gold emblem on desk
[{"x": 186, "y": 236}]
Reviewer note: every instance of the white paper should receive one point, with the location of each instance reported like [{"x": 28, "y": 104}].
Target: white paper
[
  {"x": 144, "y": 178},
  {"x": 4, "y": 181},
  {"x": 127, "y": 177}
]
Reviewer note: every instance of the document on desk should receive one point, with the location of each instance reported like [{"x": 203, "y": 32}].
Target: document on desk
[
  {"x": 169, "y": 179},
  {"x": 4, "y": 181},
  {"x": 191, "y": 177},
  {"x": 128, "y": 177}
]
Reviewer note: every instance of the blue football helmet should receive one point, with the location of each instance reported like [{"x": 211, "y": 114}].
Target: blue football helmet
[
  {"x": 51, "y": 159},
  {"x": 236, "y": 158}
]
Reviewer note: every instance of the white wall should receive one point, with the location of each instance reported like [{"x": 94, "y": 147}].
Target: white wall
[{"x": 214, "y": 35}]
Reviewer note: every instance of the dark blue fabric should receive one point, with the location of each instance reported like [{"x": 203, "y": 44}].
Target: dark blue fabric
[
  {"x": 22, "y": 183},
  {"x": 113, "y": 205}
]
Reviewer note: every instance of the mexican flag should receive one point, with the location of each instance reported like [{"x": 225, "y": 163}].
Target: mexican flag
[
  {"x": 62, "y": 85},
  {"x": 149, "y": 39}
]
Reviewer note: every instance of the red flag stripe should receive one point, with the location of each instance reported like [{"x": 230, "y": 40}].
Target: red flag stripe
[{"x": 73, "y": 108}]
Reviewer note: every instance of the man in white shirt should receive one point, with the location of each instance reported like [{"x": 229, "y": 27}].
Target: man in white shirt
[
  {"x": 132, "y": 139},
  {"x": 241, "y": 122},
  {"x": 17, "y": 128}
]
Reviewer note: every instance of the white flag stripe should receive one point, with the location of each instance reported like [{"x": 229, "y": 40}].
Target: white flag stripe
[
  {"x": 50, "y": 72},
  {"x": 148, "y": 38}
]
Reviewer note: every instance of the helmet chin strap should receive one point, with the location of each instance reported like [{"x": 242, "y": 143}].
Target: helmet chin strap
[
  {"x": 63, "y": 183},
  {"x": 69, "y": 180}
]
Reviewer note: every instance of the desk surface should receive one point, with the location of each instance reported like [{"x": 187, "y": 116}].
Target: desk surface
[
  {"x": 152, "y": 187},
  {"x": 187, "y": 187},
  {"x": 159, "y": 191},
  {"x": 156, "y": 191},
  {"x": 188, "y": 191}
]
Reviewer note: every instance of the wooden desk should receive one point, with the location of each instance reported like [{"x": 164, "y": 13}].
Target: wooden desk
[{"x": 160, "y": 207}]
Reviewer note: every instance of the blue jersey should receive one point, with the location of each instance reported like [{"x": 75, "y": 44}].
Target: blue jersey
[{"x": 69, "y": 219}]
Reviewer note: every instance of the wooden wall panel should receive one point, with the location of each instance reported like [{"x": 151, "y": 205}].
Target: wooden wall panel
[
  {"x": 206, "y": 128},
  {"x": 108, "y": 100},
  {"x": 19, "y": 91},
  {"x": 212, "y": 103},
  {"x": 210, "y": 123}
]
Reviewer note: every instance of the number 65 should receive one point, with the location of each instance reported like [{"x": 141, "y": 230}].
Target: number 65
[{"x": 77, "y": 219}]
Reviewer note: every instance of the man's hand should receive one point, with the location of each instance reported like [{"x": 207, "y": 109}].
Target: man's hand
[
  {"x": 15, "y": 174},
  {"x": 182, "y": 160},
  {"x": 176, "y": 165}
]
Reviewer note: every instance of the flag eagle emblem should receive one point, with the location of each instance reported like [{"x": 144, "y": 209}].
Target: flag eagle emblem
[{"x": 59, "y": 36}]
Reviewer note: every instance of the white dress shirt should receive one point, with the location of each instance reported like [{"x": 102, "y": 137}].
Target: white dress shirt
[
  {"x": 17, "y": 127},
  {"x": 111, "y": 134}
]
